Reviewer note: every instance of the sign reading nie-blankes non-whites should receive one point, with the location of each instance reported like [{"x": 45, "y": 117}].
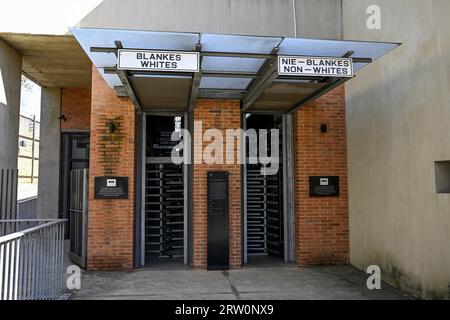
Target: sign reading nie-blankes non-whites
[
  {"x": 312, "y": 66},
  {"x": 171, "y": 61}
]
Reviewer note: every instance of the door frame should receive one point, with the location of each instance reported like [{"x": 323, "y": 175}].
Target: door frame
[
  {"x": 186, "y": 177},
  {"x": 288, "y": 189}
]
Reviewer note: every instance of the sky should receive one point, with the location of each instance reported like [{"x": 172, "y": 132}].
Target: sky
[
  {"x": 30, "y": 100},
  {"x": 43, "y": 16}
]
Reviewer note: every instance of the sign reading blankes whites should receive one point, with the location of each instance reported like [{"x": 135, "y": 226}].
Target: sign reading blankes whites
[
  {"x": 313, "y": 67},
  {"x": 166, "y": 61}
]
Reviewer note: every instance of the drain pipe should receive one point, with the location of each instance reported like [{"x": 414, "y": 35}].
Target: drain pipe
[{"x": 295, "y": 18}]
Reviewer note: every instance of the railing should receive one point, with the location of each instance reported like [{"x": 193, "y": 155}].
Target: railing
[
  {"x": 8, "y": 193},
  {"x": 27, "y": 208},
  {"x": 31, "y": 259}
]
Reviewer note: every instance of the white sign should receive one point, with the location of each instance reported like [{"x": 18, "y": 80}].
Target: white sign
[
  {"x": 171, "y": 61},
  {"x": 324, "y": 182},
  {"x": 111, "y": 183},
  {"x": 310, "y": 66}
]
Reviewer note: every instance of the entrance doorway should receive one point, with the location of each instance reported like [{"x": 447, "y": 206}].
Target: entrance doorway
[
  {"x": 74, "y": 157},
  {"x": 264, "y": 198},
  {"x": 164, "y": 210}
]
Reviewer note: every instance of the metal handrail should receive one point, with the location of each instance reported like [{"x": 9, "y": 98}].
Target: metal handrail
[{"x": 32, "y": 260}]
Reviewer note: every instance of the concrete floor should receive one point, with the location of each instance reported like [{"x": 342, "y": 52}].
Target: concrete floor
[{"x": 281, "y": 282}]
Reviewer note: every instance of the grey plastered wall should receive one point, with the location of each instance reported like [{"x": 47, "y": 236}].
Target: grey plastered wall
[
  {"x": 49, "y": 151},
  {"x": 398, "y": 120},
  {"x": 10, "y": 84},
  {"x": 319, "y": 19},
  {"x": 316, "y": 18}
]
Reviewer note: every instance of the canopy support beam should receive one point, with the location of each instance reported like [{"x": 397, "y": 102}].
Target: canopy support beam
[
  {"x": 268, "y": 74},
  {"x": 126, "y": 83},
  {"x": 317, "y": 94}
]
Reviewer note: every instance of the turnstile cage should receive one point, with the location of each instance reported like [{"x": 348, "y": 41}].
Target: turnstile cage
[
  {"x": 164, "y": 211},
  {"x": 264, "y": 212}
]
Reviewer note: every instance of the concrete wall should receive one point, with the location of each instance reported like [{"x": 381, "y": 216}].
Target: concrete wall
[
  {"x": 316, "y": 18},
  {"x": 398, "y": 125},
  {"x": 10, "y": 75},
  {"x": 319, "y": 19},
  {"x": 49, "y": 150}
]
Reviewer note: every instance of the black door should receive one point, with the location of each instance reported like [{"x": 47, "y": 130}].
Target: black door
[{"x": 74, "y": 156}]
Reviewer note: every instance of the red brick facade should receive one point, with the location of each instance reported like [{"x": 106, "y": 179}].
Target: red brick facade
[
  {"x": 110, "y": 225},
  {"x": 76, "y": 107},
  {"x": 322, "y": 235},
  {"x": 222, "y": 115},
  {"x": 322, "y": 232}
]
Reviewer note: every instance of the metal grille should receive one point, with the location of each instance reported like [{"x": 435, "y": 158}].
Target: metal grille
[
  {"x": 8, "y": 193},
  {"x": 79, "y": 185},
  {"x": 164, "y": 211},
  {"x": 32, "y": 260},
  {"x": 264, "y": 213}
]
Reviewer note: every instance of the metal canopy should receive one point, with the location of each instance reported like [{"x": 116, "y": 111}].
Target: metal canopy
[{"x": 232, "y": 67}]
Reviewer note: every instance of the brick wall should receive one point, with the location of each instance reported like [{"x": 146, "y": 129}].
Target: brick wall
[
  {"x": 322, "y": 232},
  {"x": 222, "y": 115},
  {"x": 76, "y": 106},
  {"x": 110, "y": 225}
]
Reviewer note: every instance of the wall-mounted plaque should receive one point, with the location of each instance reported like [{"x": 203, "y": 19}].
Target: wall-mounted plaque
[
  {"x": 324, "y": 186},
  {"x": 111, "y": 187}
]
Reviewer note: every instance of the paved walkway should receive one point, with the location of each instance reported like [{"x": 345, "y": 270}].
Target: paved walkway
[{"x": 282, "y": 282}]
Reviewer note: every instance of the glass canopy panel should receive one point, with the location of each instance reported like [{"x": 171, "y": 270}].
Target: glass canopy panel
[
  {"x": 112, "y": 80},
  {"x": 358, "y": 66},
  {"x": 232, "y": 64},
  {"x": 239, "y": 44},
  {"x": 334, "y": 48},
  {"x": 136, "y": 39},
  {"x": 225, "y": 83}
]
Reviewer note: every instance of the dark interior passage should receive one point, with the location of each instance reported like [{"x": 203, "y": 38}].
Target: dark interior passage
[
  {"x": 164, "y": 192},
  {"x": 265, "y": 225}
]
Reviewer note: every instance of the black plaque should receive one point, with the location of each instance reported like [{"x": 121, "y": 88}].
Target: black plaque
[
  {"x": 111, "y": 187},
  {"x": 218, "y": 206},
  {"x": 325, "y": 186}
]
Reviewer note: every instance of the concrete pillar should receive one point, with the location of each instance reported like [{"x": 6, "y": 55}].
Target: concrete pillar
[
  {"x": 10, "y": 74},
  {"x": 49, "y": 152}
]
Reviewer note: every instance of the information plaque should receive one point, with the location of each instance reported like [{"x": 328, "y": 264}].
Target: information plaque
[
  {"x": 324, "y": 186},
  {"x": 111, "y": 188}
]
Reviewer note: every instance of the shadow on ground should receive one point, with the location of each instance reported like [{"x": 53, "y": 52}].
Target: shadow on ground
[{"x": 287, "y": 282}]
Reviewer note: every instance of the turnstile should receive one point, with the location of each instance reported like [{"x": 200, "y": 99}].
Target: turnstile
[{"x": 164, "y": 211}]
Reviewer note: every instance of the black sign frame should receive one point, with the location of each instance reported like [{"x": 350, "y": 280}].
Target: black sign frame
[
  {"x": 324, "y": 186},
  {"x": 111, "y": 188}
]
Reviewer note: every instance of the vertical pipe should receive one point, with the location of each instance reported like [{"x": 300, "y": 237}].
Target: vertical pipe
[
  {"x": 2, "y": 261},
  {"x": 32, "y": 148},
  {"x": 144, "y": 176},
  {"x": 7, "y": 195},
  {"x": 295, "y": 18},
  {"x": 17, "y": 269},
  {"x": 186, "y": 156},
  {"x": 10, "y": 269},
  {"x": 1, "y": 192}
]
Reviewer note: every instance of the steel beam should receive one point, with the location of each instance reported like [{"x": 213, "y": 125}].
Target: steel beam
[
  {"x": 268, "y": 74},
  {"x": 194, "y": 90},
  {"x": 319, "y": 93},
  {"x": 221, "y": 94}
]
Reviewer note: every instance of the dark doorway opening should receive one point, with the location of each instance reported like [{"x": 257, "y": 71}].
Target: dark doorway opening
[
  {"x": 74, "y": 156},
  {"x": 164, "y": 195},
  {"x": 264, "y": 198}
]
